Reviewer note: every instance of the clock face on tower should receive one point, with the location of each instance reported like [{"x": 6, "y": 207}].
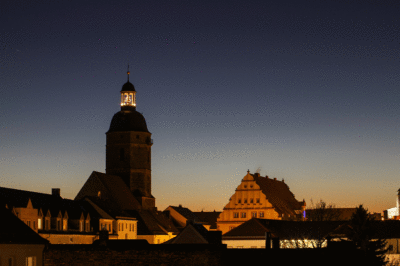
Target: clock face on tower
[{"x": 128, "y": 99}]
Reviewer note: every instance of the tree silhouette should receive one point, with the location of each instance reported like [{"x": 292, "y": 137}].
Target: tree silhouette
[{"x": 361, "y": 233}]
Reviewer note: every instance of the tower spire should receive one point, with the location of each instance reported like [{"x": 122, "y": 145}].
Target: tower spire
[{"x": 128, "y": 72}]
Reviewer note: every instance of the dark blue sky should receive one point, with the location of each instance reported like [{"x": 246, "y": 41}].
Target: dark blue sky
[{"x": 307, "y": 91}]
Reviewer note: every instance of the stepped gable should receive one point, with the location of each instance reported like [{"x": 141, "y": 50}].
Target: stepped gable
[
  {"x": 208, "y": 217},
  {"x": 15, "y": 231},
  {"x": 112, "y": 187},
  {"x": 278, "y": 194}
]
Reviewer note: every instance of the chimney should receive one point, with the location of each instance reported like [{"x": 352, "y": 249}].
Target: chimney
[
  {"x": 56, "y": 192},
  {"x": 266, "y": 177},
  {"x": 103, "y": 236},
  {"x": 274, "y": 178},
  {"x": 283, "y": 180},
  {"x": 257, "y": 174}
]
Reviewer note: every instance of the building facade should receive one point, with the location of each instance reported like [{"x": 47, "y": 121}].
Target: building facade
[{"x": 259, "y": 197}]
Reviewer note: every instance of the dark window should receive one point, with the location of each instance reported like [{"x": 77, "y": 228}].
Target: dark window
[
  {"x": 235, "y": 215},
  {"x": 239, "y": 201},
  {"x": 261, "y": 214},
  {"x": 243, "y": 215},
  {"x": 245, "y": 200},
  {"x": 251, "y": 200},
  {"x": 122, "y": 154},
  {"x": 254, "y": 214},
  {"x": 258, "y": 200}
]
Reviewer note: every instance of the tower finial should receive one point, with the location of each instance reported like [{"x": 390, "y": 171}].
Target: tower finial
[{"x": 128, "y": 72}]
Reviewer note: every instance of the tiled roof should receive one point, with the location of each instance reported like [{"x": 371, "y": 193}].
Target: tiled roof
[
  {"x": 283, "y": 229},
  {"x": 384, "y": 229},
  {"x": 14, "y": 231},
  {"x": 209, "y": 218},
  {"x": 338, "y": 214},
  {"x": 117, "y": 189},
  {"x": 191, "y": 234},
  {"x": 185, "y": 212},
  {"x": 19, "y": 198},
  {"x": 278, "y": 194},
  {"x": 151, "y": 222}
]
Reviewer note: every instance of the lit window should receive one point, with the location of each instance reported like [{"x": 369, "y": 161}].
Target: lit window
[
  {"x": 31, "y": 261},
  {"x": 40, "y": 223},
  {"x": 243, "y": 215}
]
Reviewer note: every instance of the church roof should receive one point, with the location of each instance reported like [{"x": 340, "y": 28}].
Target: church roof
[
  {"x": 278, "y": 194},
  {"x": 128, "y": 120},
  {"x": 117, "y": 191},
  {"x": 15, "y": 231}
]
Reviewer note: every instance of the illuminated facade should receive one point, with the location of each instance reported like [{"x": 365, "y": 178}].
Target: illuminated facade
[{"x": 259, "y": 197}]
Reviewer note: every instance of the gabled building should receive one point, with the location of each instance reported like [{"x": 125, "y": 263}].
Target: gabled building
[
  {"x": 61, "y": 221},
  {"x": 19, "y": 243},
  {"x": 260, "y": 197}
]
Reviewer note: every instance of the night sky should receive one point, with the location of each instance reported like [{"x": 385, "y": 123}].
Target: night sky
[{"x": 307, "y": 91}]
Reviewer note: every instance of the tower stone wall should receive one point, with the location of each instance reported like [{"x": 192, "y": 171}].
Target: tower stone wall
[{"x": 128, "y": 155}]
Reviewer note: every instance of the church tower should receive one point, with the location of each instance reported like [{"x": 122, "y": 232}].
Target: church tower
[{"x": 128, "y": 148}]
